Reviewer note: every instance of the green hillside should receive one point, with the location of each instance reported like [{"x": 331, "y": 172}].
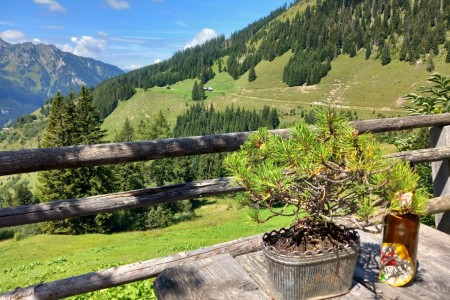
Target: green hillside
[
  {"x": 356, "y": 82},
  {"x": 360, "y": 85}
]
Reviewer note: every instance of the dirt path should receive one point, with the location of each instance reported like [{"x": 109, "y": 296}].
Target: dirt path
[{"x": 317, "y": 103}]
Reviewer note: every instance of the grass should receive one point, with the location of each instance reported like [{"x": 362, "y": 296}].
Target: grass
[
  {"x": 360, "y": 85},
  {"x": 51, "y": 257}
]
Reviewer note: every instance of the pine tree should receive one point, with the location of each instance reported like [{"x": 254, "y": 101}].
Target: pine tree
[
  {"x": 430, "y": 62},
  {"x": 160, "y": 128},
  {"x": 126, "y": 134},
  {"x": 385, "y": 55},
  {"x": 220, "y": 65},
  {"x": 251, "y": 74},
  {"x": 195, "y": 95},
  {"x": 447, "y": 57},
  {"x": 72, "y": 122}
]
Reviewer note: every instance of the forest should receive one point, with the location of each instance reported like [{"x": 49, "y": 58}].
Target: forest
[
  {"x": 402, "y": 29},
  {"x": 75, "y": 120}
]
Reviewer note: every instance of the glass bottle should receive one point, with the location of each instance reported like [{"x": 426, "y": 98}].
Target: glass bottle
[{"x": 399, "y": 249}]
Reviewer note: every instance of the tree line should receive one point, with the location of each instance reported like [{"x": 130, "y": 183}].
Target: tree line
[
  {"x": 382, "y": 29},
  {"x": 74, "y": 120}
]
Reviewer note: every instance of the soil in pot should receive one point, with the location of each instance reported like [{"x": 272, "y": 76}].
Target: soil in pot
[{"x": 312, "y": 237}]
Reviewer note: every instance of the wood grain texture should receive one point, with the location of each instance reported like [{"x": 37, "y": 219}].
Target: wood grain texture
[
  {"x": 31, "y": 160},
  {"x": 440, "y": 137},
  {"x": 63, "y": 209},
  {"x": 219, "y": 277},
  {"x": 129, "y": 273},
  {"x": 433, "y": 272},
  {"x": 423, "y": 155}
]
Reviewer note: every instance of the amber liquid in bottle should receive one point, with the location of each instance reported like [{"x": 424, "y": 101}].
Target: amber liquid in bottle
[{"x": 399, "y": 249}]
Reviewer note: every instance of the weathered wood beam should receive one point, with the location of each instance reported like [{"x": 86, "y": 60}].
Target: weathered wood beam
[
  {"x": 129, "y": 273},
  {"x": 423, "y": 155},
  {"x": 438, "y": 205},
  {"x": 31, "y": 160},
  {"x": 62, "y": 209},
  {"x": 402, "y": 123}
]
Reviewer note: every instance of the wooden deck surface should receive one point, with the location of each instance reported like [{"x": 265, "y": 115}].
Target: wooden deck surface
[{"x": 245, "y": 276}]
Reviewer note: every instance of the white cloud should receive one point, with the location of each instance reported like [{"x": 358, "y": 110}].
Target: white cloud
[
  {"x": 86, "y": 46},
  {"x": 132, "y": 67},
  {"x": 53, "y": 5},
  {"x": 102, "y": 34},
  {"x": 12, "y": 36},
  {"x": 66, "y": 48},
  {"x": 36, "y": 41},
  {"x": 157, "y": 61},
  {"x": 201, "y": 37},
  {"x": 118, "y": 4}
]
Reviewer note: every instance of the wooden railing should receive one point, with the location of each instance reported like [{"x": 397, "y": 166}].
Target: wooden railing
[{"x": 31, "y": 160}]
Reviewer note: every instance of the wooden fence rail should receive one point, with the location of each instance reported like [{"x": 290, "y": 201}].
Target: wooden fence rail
[
  {"x": 22, "y": 161},
  {"x": 63, "y": 209},
  {"x": 128, "y": 273},
  {"x": 31, "y": 160}
]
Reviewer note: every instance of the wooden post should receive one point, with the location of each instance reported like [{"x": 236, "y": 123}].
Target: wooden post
[{"x": 440, "y": 137}]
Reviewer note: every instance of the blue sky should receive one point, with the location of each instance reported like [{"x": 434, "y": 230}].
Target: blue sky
[{"x": 126, "y": 33}]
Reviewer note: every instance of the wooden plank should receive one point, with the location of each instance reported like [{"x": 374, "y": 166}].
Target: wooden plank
[
  {"x": 31, "y": 160},
  {"x": 438, "y": 204},
  {"x": 218, "y": 277},
  {"x": 440, "y": 137},
  {"x": 128, "y": 273},
  {"x": 254, "y": 264},
  {"x": 63, "y": 209},
  {"x": 432, "y": 279},
  {"x": 423, "y": 155},
  {"x": 402, "y": 123}
]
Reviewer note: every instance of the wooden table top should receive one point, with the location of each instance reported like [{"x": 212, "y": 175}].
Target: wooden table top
[{"x": 245, "y": 276}]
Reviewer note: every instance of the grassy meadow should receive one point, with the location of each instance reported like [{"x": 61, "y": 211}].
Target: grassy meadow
[
  {"x": 355, "y": 84},
  {"x": 50, "y": 257}
]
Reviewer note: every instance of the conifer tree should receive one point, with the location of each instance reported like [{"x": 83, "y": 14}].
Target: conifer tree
[
  {"x": 126, "y": 134},
  {"x": 385, "y": 55},
  {"x": 447, "y": 57},
  {"x": 251, "y": 74},
  {"x": 220, "y": 65},
  {"x": 159, "y": 128},
  {"x": 195, "y": 95},
  {"x": 430, "y": 62},
  {"x": 72, "y": 122}
]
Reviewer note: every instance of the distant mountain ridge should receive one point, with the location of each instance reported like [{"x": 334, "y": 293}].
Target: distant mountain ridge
[{"x": 30, "y": 73}]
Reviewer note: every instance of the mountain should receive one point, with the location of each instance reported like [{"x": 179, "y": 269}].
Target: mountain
[
  {"x": 362, "y": 55},
  {"x": 316, "y": 33},
  {"x": 30, "y": 74}
]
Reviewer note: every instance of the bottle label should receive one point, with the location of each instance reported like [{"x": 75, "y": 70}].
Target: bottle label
[{"x": 397, "y": 267}]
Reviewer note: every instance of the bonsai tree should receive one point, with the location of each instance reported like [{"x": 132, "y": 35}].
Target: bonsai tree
[{"x": 323, "y": 175}]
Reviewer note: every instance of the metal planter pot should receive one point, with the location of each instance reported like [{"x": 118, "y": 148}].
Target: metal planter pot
[{"x": 325, "y": 274}]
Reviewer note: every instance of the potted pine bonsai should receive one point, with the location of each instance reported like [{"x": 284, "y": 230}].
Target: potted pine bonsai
[{"x": 322, "y": 176}]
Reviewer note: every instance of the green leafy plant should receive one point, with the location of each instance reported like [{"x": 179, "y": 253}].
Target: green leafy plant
[
  {"x": 324, "y": 173},
  {"x": 435, "y": 98}
]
